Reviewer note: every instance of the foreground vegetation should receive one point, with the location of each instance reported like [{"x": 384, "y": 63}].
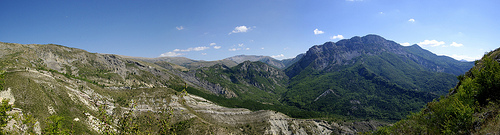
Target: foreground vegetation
[{"x": 472, "y": 107}]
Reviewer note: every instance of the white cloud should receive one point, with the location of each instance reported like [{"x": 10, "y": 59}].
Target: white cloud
[
  {"x": 203, "y": 53},
  {"x": 179, "y": 28},
  {"x": 337, "y": 37},
  {"x": 234, "y": 49},
  {"x": 238, "y": 47},
  {"x": 240, "y": 29},
  {"x": 217, "y": 47},
  {"x": 171, "y": 54},
  {"x": 431, "y": 43},
  {"x": 455, "y": 44},
  {"x": 316, "y": 32},
  {"x": 262, "y": 48},
  {"x": 212, "y": 44},
  {"x": 278, "y": 56},
  {"x": 201, "y": 48},
  {"x": 405, "y": 44},
  {"x": 381, "y": 13},
  {"x": 411, "y": 20}
]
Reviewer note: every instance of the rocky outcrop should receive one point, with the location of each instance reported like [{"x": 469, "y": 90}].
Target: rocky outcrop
[{"x": 272, "y": 122}]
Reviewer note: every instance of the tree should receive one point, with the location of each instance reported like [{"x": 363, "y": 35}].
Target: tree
[{"x": 4, "y": 117}]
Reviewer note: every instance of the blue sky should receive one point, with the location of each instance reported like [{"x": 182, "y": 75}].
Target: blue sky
[{"x": 217, "y": 29}]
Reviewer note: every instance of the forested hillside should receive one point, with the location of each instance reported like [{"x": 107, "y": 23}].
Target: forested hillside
[
  {"x": 472, "y": 107},
  {"x": 369, "y": 77}
]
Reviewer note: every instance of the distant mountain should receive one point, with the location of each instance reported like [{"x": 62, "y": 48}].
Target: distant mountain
[
  {"x": 463, "y": 60},
  {"x": 281, "y": 64},
  {"x": 433, "y": 62},
  {"x": 186, "y": 62},
  {"x": 230, "y": 62},
  {"x": 289, "y": 62}
]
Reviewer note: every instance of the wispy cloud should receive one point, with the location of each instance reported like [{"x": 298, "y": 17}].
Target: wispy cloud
[
  {"x": 405, "y": 44},
  {"x": 240, "y": 29},
  {"x": 455, "y": 44},
  {"x": 239, "y": 47},
  {"x": 411, "y": 20},
  {"x": 234, "y": 49},
  {"x": 316, "y": 32},
  {"x": 175, "y": 51},
  {"x": 215, "y": 47},
  {"x": 201, "y": 48},
  {"x": 431, "y": 43},
  {"x": 278, "y": 56},
  {"x": 179, "y": 28},
  {"x": 171, "y": 54},
  {"x": 337, "y": 37}
]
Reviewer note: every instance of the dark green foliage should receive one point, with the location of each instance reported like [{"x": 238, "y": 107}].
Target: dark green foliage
[
  {"x": 4, "y": 118},
  {"x": 54, "y": 126},
  {"x": 357, "y": 93},
  {"x": 488, "y": 80},
  {"x": 29, "y": 122},
  {"x": 1, "y": 79}
]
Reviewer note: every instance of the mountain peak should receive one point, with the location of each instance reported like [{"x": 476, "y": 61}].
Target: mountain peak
[{"x": 330, "y": 55}]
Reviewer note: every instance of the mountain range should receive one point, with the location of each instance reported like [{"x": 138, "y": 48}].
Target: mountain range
[{"x": 351, "y": 85}]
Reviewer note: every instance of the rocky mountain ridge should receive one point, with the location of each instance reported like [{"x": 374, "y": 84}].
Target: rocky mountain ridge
[{"x": 327, "y": 56}]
